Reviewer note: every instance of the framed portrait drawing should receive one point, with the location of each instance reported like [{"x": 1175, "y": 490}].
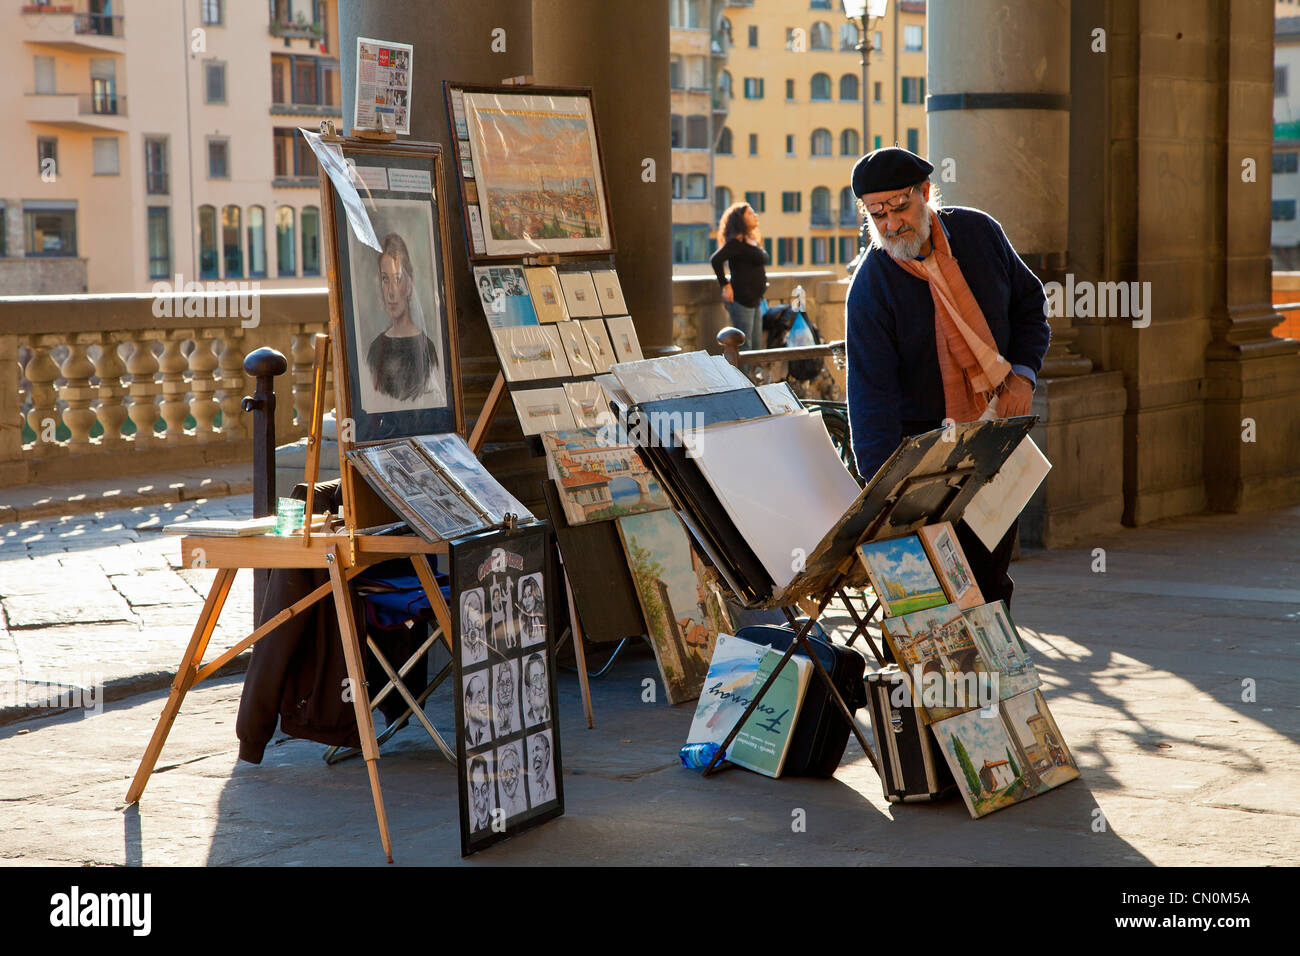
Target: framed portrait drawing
[
  {"x": 507, "y": 731},
  {"x": 534, "y": 171},
  {"x": 396, "y": 361}
]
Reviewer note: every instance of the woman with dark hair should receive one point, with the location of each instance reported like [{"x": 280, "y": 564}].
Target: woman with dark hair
[
  {"x": 403, "y": 360},
  {"x": 741, "y": 244}
]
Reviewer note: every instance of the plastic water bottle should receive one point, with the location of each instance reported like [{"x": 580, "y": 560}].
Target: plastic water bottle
[{"x": 697, "y": 756}]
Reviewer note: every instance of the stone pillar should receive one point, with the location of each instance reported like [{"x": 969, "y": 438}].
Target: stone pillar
[
  {"x": 621, "y": 51},
  {"x": 1252, "y": 431},
  {"x": 999, "y": 117}
]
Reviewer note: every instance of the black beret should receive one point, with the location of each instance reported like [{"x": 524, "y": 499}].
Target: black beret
[{"x": 890, "y": 167}]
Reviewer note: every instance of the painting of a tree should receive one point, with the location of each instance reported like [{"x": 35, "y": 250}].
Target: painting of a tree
[
  {"x": 645, "y": 572},
  {"x": 1015, "y": 771},
  {"x": 967, "y": 768}
]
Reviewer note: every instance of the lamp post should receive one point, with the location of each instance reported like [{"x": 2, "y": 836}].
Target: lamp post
[{"x": 866, "y": 13}]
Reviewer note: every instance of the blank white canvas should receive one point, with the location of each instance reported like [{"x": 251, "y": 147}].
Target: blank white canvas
[
  {"x": 999, "y": 502},
  {"x": 781, "y": 482}
]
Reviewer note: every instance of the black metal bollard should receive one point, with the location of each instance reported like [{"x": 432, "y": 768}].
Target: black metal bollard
[{"x": 263, "y": 364}]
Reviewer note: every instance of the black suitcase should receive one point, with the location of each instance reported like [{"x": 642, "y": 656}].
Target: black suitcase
[
  {"x": 911, "y": 766},
  {"x": 821, "y": 732}
]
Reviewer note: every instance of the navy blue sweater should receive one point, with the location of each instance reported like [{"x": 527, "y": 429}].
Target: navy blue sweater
[{"x": 894, "y": 385}]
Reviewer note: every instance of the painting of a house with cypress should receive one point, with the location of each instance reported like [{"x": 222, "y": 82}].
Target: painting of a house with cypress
[
  {"x": 901, "y": 575},
  {"x": 990, "y": 769}
]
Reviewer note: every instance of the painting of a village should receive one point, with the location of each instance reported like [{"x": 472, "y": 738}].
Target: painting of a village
[
  {"x": 680, "y": 609},
  {"x": 986, "y": 763},
  {"x": 937, "y": 644},
  {"x": 597, "y": 480},
  {"x": 901, "y": 575},
  {"x": 537, "y": 173}
]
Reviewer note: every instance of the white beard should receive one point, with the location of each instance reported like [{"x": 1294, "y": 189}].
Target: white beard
[{"x": 904, "y": 246}]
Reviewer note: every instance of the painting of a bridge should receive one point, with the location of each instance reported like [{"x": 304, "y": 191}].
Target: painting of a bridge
[{"x": 598, "y": 481}]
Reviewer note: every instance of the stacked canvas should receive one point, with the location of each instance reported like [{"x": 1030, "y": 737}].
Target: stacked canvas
[{"x": 969, "y": 674}]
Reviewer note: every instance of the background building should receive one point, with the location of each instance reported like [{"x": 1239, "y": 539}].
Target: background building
[
  {"x": 122, "y": 168},
  {"x": 1285, "y": 234},
  {"x": 784, "y": 123}
]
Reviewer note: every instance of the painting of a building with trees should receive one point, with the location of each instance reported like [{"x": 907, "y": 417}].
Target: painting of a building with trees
[{"x": 985, "y": 761}]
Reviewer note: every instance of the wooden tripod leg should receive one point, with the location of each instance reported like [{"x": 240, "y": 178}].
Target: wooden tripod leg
[
  {"x": 584, "y": 682},
  {"x": 478, "y": 434},
  {"x": 185, "y": 679},
  {"x": 360, "y": 697},
  {"x": 434, "y": 593}
]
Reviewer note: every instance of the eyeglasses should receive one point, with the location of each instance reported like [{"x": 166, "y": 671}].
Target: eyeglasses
[{"x": 897, "y": 204}]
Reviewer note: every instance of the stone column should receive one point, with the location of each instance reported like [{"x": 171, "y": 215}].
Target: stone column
[
  {"x": 621, "y": 51},
  {"x": 999, "y": 122},
  {"x": 1252, "y": 431}
]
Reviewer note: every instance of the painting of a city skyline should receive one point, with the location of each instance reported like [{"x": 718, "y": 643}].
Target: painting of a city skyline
[{"x": 538, "y": 172}]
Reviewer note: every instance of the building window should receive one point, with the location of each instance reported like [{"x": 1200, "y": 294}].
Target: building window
[
  {"x": 724, "y": 90},
  {"x": 913, "y": 89},
  {"x": 284, "y": 241},
  {"x": 753, "y": 144},
  {"x": 677, "y": 185},
  {"x": 789, "y": 144},
  {"x": 697, "y": 73},
  {"x": 690, "y": 243},
  {"x": 875, "y": 141},
  {"x": 697, "y": 186},
  {"x": 821, "y": 87},
  {"x": 821, "y": 4},
  {"x": 232, "y": 253},
  {"x": 791, "y": 201},
  {"x": 753, "y": 87},
  {"x": 878, "y": 43},
  {"x": 767, "y": 247},
  {"x": 103, "y": 87},
  {"x": 105, "y": 156},
  {"x": 160, "y": 242},
  {"x": 820, "y": 201},
  {"x": 1286, "y": 162},
  {"x": 675, "y": 79},
  {"x": 849, "y": 215},
  {"x": 753, "y": 37},
  {"x": 4, "y": 248},
  {"x": 757, "y": 201},
  {"x": 849, "y": 142},
  {"x": 785, "y": 252},
  {"x": 1279, "y": 81},
  {"x": 820, "y": 250},
  {"x": 218, "y": 159},
  {"x": 697, "y": 132},
  {"x": 212, "y": 13},
  {"x": 208, "y": 268},
  {"x": 721, "y": 200},
  {"x": 214, "y": 82},
  {"x": 848, "y": 248},
  {"x": 676, "y": 131},
  {"x": 849, "y": 36},
  {"x": 256, "y": 242},
  {"x": 914, "y": 139},
  {"x": 1283, "y": 210},
  {"x": 44, "y": 66},
  {"x": 304, "y": 160},
  {"x": 155, "y": 166},
  {"x": 50, "y": 229},
  {"x": 819, "y": 37},
  {"x": 848, "y": 87},
  {"x": 789, "y": 89},
  {"x": 912, "y": 38},
  {"x": 684, "y": 14},
  {"x": 279, "y": 65},
  {"x": 724, "y": 142},
  {"x": 310, "y": 241},
  {"x": 821, "y": 142},
  {"x": 876, "y": 93},
  {"x": 47, "y": 156}
]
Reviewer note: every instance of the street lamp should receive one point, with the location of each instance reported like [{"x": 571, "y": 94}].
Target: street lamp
[{"x": 865, "y": 12}]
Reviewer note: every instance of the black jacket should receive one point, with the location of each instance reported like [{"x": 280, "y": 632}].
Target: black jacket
[{"x": 748, "y": 270}]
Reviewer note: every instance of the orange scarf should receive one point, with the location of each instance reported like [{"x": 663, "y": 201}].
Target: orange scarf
[{"x": 969, "y": 363}]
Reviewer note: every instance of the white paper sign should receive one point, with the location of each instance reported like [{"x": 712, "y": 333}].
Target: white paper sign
[
  {"x": 410, "y": 180},
  {"x": 383, "y": 85}
]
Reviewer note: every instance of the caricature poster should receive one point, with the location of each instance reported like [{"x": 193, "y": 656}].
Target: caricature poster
[{"x": 508, "y": 741}]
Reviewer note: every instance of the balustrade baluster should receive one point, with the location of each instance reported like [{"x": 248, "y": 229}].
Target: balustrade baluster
[
  {"x": 143, "y": 389},
  {"x": 232, "y": 390},
  {"x": 78, "y": 393},
  {"x": 43, "y": 418},
  {"x": 203, "y": 406},
  {"x": 111, "y": 410},
  {"x": 174, "y": 407}
]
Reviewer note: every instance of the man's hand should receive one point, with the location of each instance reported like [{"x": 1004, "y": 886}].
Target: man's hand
[
  {"x": 1016, "y": 397},
  {"x": 727, "y": 294}
]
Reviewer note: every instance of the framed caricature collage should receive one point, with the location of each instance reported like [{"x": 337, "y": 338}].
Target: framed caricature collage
[{"x": 507, "y": 731}]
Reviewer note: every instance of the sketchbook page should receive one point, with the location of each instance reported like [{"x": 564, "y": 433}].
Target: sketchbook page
[
  {"x": 579, "y": 295},
  {"x": 543, "y": 410},
  {"x": 1001, "y": 500},
  {"x": 779, "y": 398},
  {"x": 672, "y": 376},
  {"x": 781, "y": 482},
  {"x": 588, "y": 404},
  {"x": 453, "y": 453},
  {"x": 622, "y": 333},
  {"x": 575, "y": 348},
  {"x": 529, "y": 352},
  {"x": 598, "y": 344}
]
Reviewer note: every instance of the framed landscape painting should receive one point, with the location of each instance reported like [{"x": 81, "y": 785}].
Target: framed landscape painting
[
  {"x": 535, "y": 168},
  {"x": 901, "y": 575}
]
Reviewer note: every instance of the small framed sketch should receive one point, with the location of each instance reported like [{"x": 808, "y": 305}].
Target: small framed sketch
[
  {"x": 901, "y": 575},
  {"x": 530, "y": 352},
  {"x": 503, "y": 292},
  {"x": 579, "y": 294},
  {"x": 588, "y": 403},
  {"x": 547, "y": 293},
  {"x": 954, "y": 570},
  {"x": 609, "y": 292},
  {"x": 598, "y": 344},
  {"x": 543, "y": 410},
  {"x": 507, "y": 735},
  {"x": 396, "y": 363},
  {"x": 534, "y": 160},
  {"x": 575, "y": 348},
  {"x": 627, "y": 348}
]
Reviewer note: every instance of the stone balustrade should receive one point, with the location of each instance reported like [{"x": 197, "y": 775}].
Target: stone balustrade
[{"x": 113, "y": 385}]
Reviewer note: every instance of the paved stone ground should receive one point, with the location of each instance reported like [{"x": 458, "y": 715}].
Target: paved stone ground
[{"x": 1173, "y": 676}]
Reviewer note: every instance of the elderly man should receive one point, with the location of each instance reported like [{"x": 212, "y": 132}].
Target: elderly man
[{"x": 942, "y": 319}]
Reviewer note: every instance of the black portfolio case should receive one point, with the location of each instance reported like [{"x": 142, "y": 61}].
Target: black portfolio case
[
  {"x": 821, "y": 732},
  {"x": 911, "y": 766}
]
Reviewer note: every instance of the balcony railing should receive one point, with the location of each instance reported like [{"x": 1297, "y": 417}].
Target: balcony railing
[
  {"x": 300, "y": 30},
  {"x": 99, "y": 24},
  {"x": 101, "y": 104},
  {"x": 156, "y": 184}
]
